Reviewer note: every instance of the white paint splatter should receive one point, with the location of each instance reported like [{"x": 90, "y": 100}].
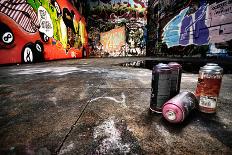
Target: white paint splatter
[
  {"x": 69, "y": 148},
  {"x": 122, "y": 102},
  {"x": 143, "y": 75},
  {"x": 54, "y": 70},
  {"x": 167, "y": 137},
  {"x": 82, "y": 94},
  {"x": 112, "y": 137},
  {"x": 54, "y": 100}
]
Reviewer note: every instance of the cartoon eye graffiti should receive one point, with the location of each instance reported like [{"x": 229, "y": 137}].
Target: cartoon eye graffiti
[
  {"x": 6, "y": 35},
  {"x": 57, "y": 8},
  {"x": 39, "y": 49},
  {"x": 44, "y": 37},
  {"x": 28, "y": 54},
  {"x": 33, "y": 52},
  {"x": 8, "y": 38}
]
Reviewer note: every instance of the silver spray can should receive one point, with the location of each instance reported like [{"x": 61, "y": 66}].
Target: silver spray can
[
  {"x": 208, "y": 87},
  {"x": 160, "y": 84}
]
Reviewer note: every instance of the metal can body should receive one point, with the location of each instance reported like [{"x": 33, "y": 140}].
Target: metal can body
[
  {"x": 160, "y": 84},
  {"x": 208, "y": 87},
  {"x": 176, "y": 70},
  {"x": 178, "y": 108}
]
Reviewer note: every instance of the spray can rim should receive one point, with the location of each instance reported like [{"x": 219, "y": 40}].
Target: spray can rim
[
  {"x": 212, "y": 68},
  {"x": 174, "y": 64},
  {"x": 161, "y": 66}
]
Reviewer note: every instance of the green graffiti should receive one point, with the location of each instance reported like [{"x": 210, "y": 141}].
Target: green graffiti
[
  {"x": 60, "y": 29},
  {"x": 63, "y": 35},
  {"x": 52, "y": 12},
  {"x": 34, "y": 4},
  {"x": 55, "y": 20},
  {"x": 76, "y": 27}
]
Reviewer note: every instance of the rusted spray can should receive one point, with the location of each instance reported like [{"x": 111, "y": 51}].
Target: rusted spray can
[
  {"x": 176, "y": 70},
  {"x": 208, "y": 87},
  {"x": 178, "y": 108},
  {"x": 160, "y": 84}
]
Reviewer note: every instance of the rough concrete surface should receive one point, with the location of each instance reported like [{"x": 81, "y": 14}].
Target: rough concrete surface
[{"x": 94, "y": 106}]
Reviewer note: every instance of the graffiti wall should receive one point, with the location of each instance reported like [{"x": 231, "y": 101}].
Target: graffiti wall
[
  {"x": 197, "y": 24},
  {"x": 38, "y": 30},
  {"x": 112, "y": 41},
  {"x": 122, "y": 22}
]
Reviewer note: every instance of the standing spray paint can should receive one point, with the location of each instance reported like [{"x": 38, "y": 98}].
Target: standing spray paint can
[
  {"x": 176, "y": 70},
  {"x": 178, "y": 108},
  {"x": 160, "y": 84},
  {"x": 208, "y": 87}
]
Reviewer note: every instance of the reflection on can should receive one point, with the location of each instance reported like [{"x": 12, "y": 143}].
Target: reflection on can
[
  {"x": 161, "y": 83},
  {"x": 208, "y": 87},
  {"x": 176, "y": 70},
  {"x": 178, "y": 108}
]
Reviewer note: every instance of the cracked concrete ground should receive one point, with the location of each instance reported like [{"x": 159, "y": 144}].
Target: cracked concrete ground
[{"x": 94, "y": 106}]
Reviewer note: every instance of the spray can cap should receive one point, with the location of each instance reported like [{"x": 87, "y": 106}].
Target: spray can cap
[
  {"x": 174, "y": 65},
  {"x": 171, "y": 115}
]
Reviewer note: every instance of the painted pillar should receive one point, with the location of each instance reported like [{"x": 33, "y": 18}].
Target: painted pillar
[{"x": 152, "y": 27}]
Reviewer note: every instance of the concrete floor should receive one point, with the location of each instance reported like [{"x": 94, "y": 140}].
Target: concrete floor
[{"x": 93, "y": 106}]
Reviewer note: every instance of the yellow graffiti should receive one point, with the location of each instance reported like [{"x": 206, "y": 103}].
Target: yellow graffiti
[
  {"x": 63, "y": 38},
  {"x": 114, "y": 39},
  {"x": 75, "y": 24},
  {"x": 82, "y": 32}
]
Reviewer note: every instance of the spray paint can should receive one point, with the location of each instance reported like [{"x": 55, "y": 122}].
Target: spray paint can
[
  {"x": 208, "y": 87},
  {"x": 176, "y": 70},
  {"x": 160, "y": 84},
  {"x": 178, "y": 108}
]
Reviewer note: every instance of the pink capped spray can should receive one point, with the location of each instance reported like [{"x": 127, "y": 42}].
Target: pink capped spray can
[{"x": 178, "y": 108}]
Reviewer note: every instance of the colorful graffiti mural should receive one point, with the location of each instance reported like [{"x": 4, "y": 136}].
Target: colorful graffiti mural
[
  {"x": 209, "y": 24},
  {"x": 136, "y": 38},
  {"x": 38, "y": 30},
  {"x": 109, "y": 15},
  {"x": 113, "y": 40}
]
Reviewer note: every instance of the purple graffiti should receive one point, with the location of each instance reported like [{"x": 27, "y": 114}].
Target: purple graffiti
[
  {"x": 184, "y": 32},
  {"x": 194, "y": 29},
  {"x": 209, "y": 24},
  {"x": 201, "y": 35}
]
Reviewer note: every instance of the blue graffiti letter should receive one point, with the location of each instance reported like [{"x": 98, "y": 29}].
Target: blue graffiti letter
[{"x": 171, "y": 34}]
